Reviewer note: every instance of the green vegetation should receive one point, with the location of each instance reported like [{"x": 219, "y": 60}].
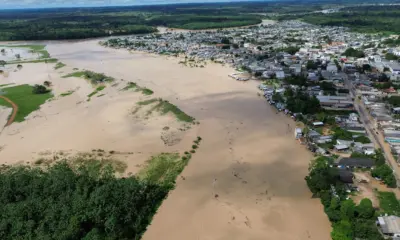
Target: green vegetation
[
  {"x": 147, "y": 91},
  {"x": 351, "y": 52},
  {"x": 392, "y": 42},
  {"x": 59, "y": 65},
  {"x": 385, "y": 173},
  {"x": 39, "y": 89},
  {"x": 165, "y": 107},
  {"x": 163, "y": 169},
  {"x": 98, "y": 89},
  {"x": 25, "y": 99},
  {"x": 349, "y": 221},
  {"x": 194, "y": 22},
  {"x": 391, "y": 56},
  {"x": 67, "y": 93},
  {"x": 76, "y": 202},
  {"x": 362, "y": 139},
  {"x": 299, "y": 102},
  {"x": 147, "y": 102},
  {"x": 130, "y": 85},
  {"x": 389, "y": 203},
  {"x": 369, "y": 19},
  {"x": 93, "y": 77}
]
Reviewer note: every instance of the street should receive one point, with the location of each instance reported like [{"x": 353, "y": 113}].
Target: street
[{"x": 377, "y": 140}]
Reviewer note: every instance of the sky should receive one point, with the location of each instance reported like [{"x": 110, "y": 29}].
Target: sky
[{"x": 12, "y": 4}]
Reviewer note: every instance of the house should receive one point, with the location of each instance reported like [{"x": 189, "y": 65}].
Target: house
[
  {"x": 355, "y": 163},
  {"x": 353, "y": 117},
  {"x": 331, "y": 67},
  {"x": 318, "y": 124},
  {"x": 341, "y": 147},
  {"x": 298, "y": 133},
  {"x": 345, "y": 176},
  {"x": 324, "y": 139},
  {"x": 390, "y": 226},
  {"x": 280, "y": 75}
]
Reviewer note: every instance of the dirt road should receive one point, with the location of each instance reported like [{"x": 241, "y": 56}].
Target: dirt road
[{"x": 14, "y": 111}]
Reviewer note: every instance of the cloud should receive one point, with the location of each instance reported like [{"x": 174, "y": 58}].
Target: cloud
[{"x": 92, "y": 3}]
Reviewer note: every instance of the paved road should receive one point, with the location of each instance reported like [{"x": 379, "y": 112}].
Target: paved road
[{"x": 378, "y": 140}]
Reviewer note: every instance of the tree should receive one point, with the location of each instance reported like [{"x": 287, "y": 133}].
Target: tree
[
  {"x": 365, "y": 209},
  {"x": 342, "y": 231},
  {"x": 81, "y": 202},
  {"x": 379, "y": 157},
  {"x": 311, "y": 65},
  {"x": 321, "y": 176},
  {"x": 366, "y": 67},
  {"x": 366, "y": 229},
  {"x": 277, "y": 97},
  {"x": 386, "y": 174},
  {"x": 39, "y": 89},
  {"x": 2, "y": 62},
  {"x": 47, "y": 83},
  {"x": 18, "y": 55},
  {"x": 351, "y": 52},
  {"x": 391, "y": 56},
  {"x": 225, "y": 41},
  {"x": 347, "y": 209},
  {"x": 3, "y": 50}
]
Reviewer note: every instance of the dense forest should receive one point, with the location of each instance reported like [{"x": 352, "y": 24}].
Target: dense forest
[
  {"x": 85, "y": 202},
  {"x": 369, "y": 19}
]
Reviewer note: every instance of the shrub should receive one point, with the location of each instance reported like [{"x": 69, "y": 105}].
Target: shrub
[
  {"x": 192, "y": 151},
  {"x": 194, "y": 146},
  {"x": 39, "y": 89}
]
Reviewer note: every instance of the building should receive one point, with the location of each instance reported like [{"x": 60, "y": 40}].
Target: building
[
  {"x": 390, "y": 226},
  {"x": 345, "y": 176},
  {"x": 335, "y": 101},
  {"x": 356, "y": 163}
]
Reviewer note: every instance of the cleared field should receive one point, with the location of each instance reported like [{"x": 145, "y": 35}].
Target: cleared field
[{"x": 25, "y": 99}]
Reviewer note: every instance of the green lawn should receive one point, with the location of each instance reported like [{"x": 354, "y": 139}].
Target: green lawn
[
  {"x": 389, "y": 203},
  {"x": 27, "y": 101}
]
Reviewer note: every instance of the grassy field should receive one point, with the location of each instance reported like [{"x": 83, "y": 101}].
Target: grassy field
[
  {"x": 389, "y": 203},
  {"x": 23, "y": 97}
]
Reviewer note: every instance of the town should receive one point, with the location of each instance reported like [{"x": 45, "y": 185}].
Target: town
[{"x": 340, "y": 87}]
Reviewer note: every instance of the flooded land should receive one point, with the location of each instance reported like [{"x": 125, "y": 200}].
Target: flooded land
[{"x": 246, "y": 181}]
